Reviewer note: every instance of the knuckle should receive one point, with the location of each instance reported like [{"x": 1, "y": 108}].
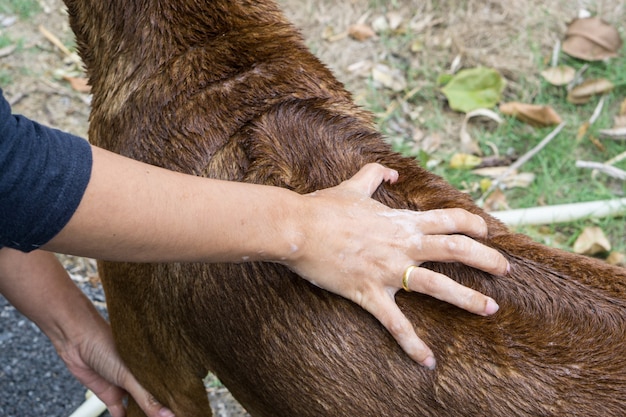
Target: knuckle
[
  {"x": 399, "y": 328},
  {"x": 473, "y": 301},
  {"x": 459, "y": 245}
]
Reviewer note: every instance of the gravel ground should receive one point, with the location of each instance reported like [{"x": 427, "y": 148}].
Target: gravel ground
[{"x": 34, "y": 380}]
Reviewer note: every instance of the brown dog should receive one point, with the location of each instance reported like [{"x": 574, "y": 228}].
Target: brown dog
[{"x": 227, "y": 89}]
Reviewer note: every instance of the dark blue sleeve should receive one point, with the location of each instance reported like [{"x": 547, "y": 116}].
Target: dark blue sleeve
[{"x": 43, "y": 175}]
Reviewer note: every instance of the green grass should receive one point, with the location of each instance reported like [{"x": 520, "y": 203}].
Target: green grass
[
  {"x": 558, "y": 180},
  {"x": 22, "y": 8},
  {"x": 5, "y": 74}
]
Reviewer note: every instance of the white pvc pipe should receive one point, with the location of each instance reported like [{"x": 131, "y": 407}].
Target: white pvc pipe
[
  {"x": 561, "y": 213},
  {"x": 93, "y": 407}
]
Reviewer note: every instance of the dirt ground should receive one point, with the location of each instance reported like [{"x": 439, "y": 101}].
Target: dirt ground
[{"x": 507, "y": 35}]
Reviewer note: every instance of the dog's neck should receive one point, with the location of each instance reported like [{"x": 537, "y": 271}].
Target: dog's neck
[{"x": 136, "y": 37}]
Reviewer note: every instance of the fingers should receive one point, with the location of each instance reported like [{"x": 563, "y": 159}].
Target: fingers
[
  {"x": 458, "y": 248},
  {"x": 113, "y": 398},
  {"x": 387, "y": 312},
  {"x": 452, "y": 220},
  {"x": 369, "y": 178},
  {"x": 145, "y": 400},
  {"x": 439, "y": 286}
]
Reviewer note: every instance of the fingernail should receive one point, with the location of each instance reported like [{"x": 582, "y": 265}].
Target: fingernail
[
  {"x": 165, "y": 412},
  {"x": 430, "y": 363},
  {"x": 491, "y": 307}
]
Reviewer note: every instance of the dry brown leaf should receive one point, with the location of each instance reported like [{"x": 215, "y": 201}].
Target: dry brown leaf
[
  {"x": 427, "y": 143},
  {"x": 619, "y": 122},
  {"x": 534, "y": 115},
  {"x": 591, "y": 39},
  {"x": 560, "y": 75},
  {"x": 521, "y": 180},
  {"x": 582, "y": 93},
  {"x": 468, "y": 144},
  {"x": 361, "y": 32},
  {"x": 79, "y": 84},
  {"x": 496, "y": 201},
  {"x": 7, "y": 50},
  {"x": 513, "y": 179},
  {"x": 616, "y": 258},
  {"x": 492, "y": 172},
  {"x": 592, "y": 241},
  {"x": 395, "y": 19},
  {"x": 388, "y": 77}
]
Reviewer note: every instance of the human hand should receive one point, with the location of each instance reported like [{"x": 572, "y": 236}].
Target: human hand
[
  {"x": 37, "y": 284},
  {"x": 93, "y": 360},
  {"x": 359, "y": 248}
]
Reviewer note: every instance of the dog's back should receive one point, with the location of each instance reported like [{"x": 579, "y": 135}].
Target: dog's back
[{"x": 227, "y": 89}]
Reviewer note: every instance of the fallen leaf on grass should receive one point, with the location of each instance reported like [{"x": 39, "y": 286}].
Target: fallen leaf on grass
[
  {"x": 561, "y": 75},
  {"x": 395, "y": 20},
  {"x": 533, "y": 114},
  {"x": 428, "y": 143},
  {"x": 616, "y": 258},
  {"x": 468, "y": 144},
  {"x": 512, "y": 180},
  {"x": 591, "y": 39},
  {"x": 361, "y": 32},
  {"x": 592, "y": 241},
  {"x": 388, "y": 77},
  {"x": 7, "y": 50},
  {"x": 474, "y": 88},
  {"x": 79, "y": 84},
  {"x": 464, "y": 161},
  {"x": 582, "y": 93},
  {"x": 496, "y": 200}
]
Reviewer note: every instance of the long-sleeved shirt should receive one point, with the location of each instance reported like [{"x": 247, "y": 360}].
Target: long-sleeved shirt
[{"x": 43, "y": 175}]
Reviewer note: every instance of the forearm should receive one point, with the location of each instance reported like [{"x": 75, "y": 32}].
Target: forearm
[
  {"x": 137, "y": 212},
  {"x": 39, "y": 287}
]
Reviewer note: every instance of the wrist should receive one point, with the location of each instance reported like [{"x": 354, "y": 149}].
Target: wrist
[
  {"x": 72, "y": 323},
  {"x": 285, "y": 242}
]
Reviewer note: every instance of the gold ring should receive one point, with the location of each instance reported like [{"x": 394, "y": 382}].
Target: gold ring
[{"x": 406, "y": 276}]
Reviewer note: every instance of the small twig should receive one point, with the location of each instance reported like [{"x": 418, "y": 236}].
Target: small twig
[
  {"x": 522, "y": 160},
  {"x": 578, "y": 78},
  {"x": 555, "y": 54},
  {"x": 13, "y": 100},
  {"x": 616, "y": 159},
  {"x": 597, "y": 111},
  {"x": 615, "y": 134},
  {"x": 57, "y": 42},
  {"x": 609, "y": 170}
]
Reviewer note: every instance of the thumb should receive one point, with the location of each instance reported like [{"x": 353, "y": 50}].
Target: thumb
[
  {"x": 145, "y": 400},
  {"x": 369, "y": 178}
]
